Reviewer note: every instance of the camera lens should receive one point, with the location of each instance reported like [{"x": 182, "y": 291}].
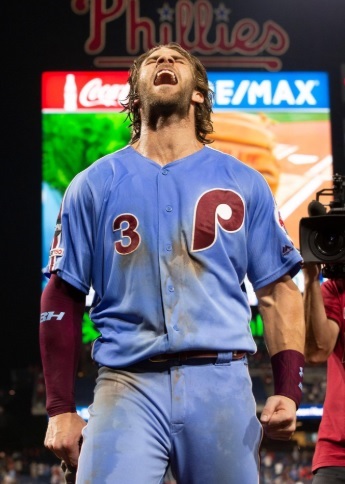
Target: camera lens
[{"x": 329, "y": 244}]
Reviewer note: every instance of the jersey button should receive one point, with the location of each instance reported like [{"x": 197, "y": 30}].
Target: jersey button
[
  {"x": 168, "y": 247},
  {"x": 165, "y": 171},
  {"x": 168, "y": 208},
  {"x": 171, "y": 288}
]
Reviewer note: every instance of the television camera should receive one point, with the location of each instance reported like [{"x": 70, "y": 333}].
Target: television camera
[{"x": 322, "y": 234}]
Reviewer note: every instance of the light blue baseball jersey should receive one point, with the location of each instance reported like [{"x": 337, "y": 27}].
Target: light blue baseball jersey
[{"x": 166, "y": 250}]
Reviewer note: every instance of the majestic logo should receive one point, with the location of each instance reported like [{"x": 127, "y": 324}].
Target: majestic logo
[
  {"x": 286, "y": 249},
  {"x": 200, "y": 27}
]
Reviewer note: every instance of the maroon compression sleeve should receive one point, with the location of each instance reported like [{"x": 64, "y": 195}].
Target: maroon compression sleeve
[
  {"x": 287, "y": 368},
  {"x": 62, "y": 308}
]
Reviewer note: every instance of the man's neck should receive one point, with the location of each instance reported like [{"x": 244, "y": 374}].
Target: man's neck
[{"x": 168, "y": 143}]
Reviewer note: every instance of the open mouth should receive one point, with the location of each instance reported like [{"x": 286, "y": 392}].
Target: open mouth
[{"x": 165, "y": 76}]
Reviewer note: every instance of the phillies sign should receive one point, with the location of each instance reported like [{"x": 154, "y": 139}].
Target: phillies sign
[{"x": 201, "y": 28}]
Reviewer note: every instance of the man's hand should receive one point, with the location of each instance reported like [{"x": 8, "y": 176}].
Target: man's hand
[
  {"x": 278, "y": 417},
  {"x": 311, "y": 271},
  {"x": 63, "y": 437}
]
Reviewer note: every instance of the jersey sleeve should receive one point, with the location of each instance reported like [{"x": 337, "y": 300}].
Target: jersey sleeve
[
  {"x": 271, "y": 252},
  {"x": 71, "y": 251}
]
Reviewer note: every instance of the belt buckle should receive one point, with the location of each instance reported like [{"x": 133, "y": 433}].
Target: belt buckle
[{"x": 238, "y": 355}]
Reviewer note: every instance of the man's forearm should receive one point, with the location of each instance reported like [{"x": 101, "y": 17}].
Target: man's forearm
[
  {"x": 62, "y": 309},
  {"x": 318, "y": 343},
  {"x": 281, "y": 307}
]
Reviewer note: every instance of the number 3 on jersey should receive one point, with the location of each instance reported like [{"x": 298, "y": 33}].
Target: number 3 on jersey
[{"x": 130, "y": 238}]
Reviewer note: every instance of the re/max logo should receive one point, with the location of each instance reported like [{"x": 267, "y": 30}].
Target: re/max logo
[{"x": 269, "y": 91}]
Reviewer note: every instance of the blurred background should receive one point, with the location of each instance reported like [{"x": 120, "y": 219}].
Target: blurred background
[{"x": 278, "y": 73}]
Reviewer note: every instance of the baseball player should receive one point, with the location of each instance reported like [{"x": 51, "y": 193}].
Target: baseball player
[{"x": 165, "y": 231}]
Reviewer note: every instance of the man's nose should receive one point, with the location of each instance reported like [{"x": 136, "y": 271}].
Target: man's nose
[{"x": 165, "y": 59}]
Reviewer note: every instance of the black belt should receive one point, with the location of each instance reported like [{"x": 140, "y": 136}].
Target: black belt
[{"x": 189, "y": 355}]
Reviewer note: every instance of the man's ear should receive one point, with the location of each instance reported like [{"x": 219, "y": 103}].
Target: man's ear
[{"x": 198, "y": 97}]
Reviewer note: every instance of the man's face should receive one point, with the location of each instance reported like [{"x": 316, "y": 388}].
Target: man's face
[{"x": 166, "y": 80}]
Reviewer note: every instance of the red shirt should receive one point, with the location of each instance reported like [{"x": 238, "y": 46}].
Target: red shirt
[{"x": 330, "y": 447}]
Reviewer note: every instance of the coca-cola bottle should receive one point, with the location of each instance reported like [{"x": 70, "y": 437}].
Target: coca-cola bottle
[{"x": 70, "y": 94}]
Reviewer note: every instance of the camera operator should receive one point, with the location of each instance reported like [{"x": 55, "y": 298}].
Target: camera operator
[{"x": 325, "y": 341}]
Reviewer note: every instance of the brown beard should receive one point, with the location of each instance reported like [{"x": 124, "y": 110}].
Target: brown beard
[{"x": 162, "y": 107}]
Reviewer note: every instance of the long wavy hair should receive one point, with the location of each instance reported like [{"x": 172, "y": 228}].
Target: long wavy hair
[{"x": 203, "y": 123}]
